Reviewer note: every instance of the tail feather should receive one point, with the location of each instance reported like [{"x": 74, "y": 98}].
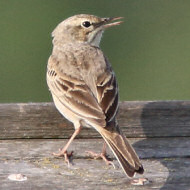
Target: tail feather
[{"x": 123, "y": 151}]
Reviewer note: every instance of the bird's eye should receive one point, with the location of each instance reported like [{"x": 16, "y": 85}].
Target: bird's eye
[{"x": 86, "y": 24}]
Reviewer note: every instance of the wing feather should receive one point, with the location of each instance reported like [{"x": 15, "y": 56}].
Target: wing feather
[
  {"x": 76, "y": 96},
  {"x": 108, "y": 94},
  {"x": 96, "y": 100}
]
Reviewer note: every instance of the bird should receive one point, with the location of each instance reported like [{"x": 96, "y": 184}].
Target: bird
[{"x": 84, "y": 86}]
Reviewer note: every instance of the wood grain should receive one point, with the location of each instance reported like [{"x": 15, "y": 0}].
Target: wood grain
[
  {"x": 137, "y": 119},
  {"x": 33, "y": 158},
  {"x": 30, "y": 132},
  {"x": 146, "y": 148},
  {"x": 47, "y": 174}
]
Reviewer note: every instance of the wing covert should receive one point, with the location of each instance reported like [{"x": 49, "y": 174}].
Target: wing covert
[{"x": 74, "y": 94}]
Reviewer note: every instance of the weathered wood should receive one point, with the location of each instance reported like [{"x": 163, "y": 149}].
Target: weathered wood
[
  {"x": 48, "y": 174},
  {"x": 137, "y": 119},
  {"x": 146, "y": 148},
  {"x": 165, "y": 156},
  {"x": 33, "y": 159},
  {"x": 167, "y": 167}
]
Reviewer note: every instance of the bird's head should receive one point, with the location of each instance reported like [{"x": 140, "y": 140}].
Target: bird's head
[{"x": 83, "y": 28}]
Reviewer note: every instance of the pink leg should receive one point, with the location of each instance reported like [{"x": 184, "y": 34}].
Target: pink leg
[
  {"x": 63, "y": 151},
  {"x": 102, "y": 155}
]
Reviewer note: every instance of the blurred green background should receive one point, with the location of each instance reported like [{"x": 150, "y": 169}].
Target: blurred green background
[{"x": 150, "y": 51}]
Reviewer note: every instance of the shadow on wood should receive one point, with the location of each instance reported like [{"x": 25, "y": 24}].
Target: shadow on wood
[{"x": 171, "y": 121}]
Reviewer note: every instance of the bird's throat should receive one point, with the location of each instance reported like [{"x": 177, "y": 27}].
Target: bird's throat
[{"x": 95, "y": 38}]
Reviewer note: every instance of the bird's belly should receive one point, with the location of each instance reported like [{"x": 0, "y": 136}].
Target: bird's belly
[{"x": 69, "y": 115}]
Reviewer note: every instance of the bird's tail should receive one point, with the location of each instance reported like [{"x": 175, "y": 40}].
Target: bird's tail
[{"x": 122, "y": 150}]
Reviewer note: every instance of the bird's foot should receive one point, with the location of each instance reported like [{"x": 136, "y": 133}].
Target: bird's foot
[
  {"x": 65, "y": 154},
  {"x": 102, "y": 156}
]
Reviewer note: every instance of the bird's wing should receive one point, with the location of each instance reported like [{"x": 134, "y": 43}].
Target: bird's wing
[
  {"x": 73, "y": 92},
  {"x": 85, "y": 84},
  {"x": 107, "y": 90}
]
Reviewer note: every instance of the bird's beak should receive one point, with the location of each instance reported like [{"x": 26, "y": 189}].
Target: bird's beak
[{"x": 107, "y": 22}]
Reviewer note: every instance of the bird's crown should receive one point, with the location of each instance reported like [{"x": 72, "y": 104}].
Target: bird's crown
[{"x": 82, "y": 28}]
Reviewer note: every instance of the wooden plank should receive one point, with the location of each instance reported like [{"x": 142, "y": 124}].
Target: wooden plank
[
  {"x": 48, "y": 174},
  {"x": 167, "y": 167},
  {"x": 137, "y": 119},
  {"x": 54, "y": 174},
  {"x": 146, "y": 148}
]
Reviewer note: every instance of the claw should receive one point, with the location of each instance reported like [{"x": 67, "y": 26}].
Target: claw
[
  {"x": 102, "y": 156},
  {"x": 66, "y": 155}
]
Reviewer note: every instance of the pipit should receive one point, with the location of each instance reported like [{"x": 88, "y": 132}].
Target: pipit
[{"x": 84, "y": 87}]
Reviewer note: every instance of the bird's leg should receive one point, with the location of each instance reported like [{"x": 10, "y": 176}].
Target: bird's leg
[
  {"x": 63, "y": 151},
  {"x": 102, "y": 155}
]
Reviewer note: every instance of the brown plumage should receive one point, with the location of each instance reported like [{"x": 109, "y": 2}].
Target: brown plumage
[{"x": 83, "y": 84}]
